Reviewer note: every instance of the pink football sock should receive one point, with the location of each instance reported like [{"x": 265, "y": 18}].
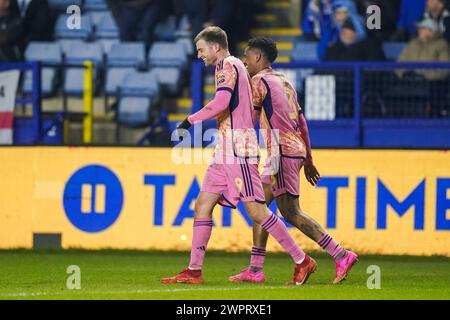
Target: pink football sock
[
  {"x": 258, "y": 256},
  {"x": 202, "y": 232},
  {"x": 332, "y": 247},
  {"x": 278, "y": 230}
]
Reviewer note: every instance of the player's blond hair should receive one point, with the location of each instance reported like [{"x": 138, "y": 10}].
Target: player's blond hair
[{"x": 213, "y": 35}]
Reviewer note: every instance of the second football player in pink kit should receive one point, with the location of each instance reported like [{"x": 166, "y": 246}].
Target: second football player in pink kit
[
  {"x": 233, "y": 174},
  {"x": 289, "y": 149}
]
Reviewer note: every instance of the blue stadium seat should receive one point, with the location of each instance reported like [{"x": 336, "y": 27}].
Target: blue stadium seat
[
  {"x": 96, "y": 16},
  {"x": 46, "y": 52},
  {"x": 107, "y": 27},
  {"x": 169, "y": 79},
  {"x": 305, "y": 51},
  {"x": 134, "y": 111},
  {"x": 108, "y": 43},
  {"x": 62, "y": 5},
  {"x": 392, "y": 50},
  {"x": 126, "y": 54},
  {"x": 77, "y": 54},
  {"x": 121, "y": 59},
  {"x": 63, "y": 32},
  {"x": 97, "y": 5},
  {"x": 188, "y": 44},
  {"x": 114, "y": 78},
  {"x": 138, "y": 92},
  {"x": 167, "y": 54},
  {"x": 66, "y": 44}
]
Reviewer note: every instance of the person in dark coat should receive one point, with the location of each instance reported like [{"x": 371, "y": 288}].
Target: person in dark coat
[
  {"x": 11, "y": 33},
  {"x": 348, "y": 48}
]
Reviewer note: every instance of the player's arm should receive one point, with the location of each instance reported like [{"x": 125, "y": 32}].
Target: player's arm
[
  {"x": 303, "y": 126},
  {"x": 311, "y": 172},
  {"x": 259, "y": 92},
  {"x": 225, "y": 81}
]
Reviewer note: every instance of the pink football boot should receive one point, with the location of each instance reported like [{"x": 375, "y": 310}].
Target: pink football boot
[
  {"x": 248, "y": 276},
  {"x": 344, "y": 265}
]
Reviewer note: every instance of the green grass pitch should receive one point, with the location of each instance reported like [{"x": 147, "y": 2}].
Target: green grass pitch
[{"x": 119, "y": 274}]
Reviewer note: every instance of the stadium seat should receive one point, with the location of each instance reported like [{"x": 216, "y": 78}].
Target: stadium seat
[
  {"x": 63, "y": 32},
  {"x": 96, "y": 16},
  {"x": 66, "y": 44},
  {"x": 167, "y": 54},
  {"x": 188, "y": 44},
  {"x": 98, "y": 5},
  {"x": 126, "y": 54},
  {"x": 77, "y": 54},
  {"x": 107, "y": 44},
  {"x": 392, "y": 50},
  {"x": 138, "y": 92},
  {"x": 121, "y": 59},
  {"x": 305, "y": 51},
  {"x": 114, "y": 77},
  {"x": 107, "y": 27},
  {"x": 45, "y": 52},
  {"x": 169, "y": 79},
  {"x": 62, "y": 5}
]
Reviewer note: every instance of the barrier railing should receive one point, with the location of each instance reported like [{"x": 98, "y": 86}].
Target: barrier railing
[
  {"x": 38, "y": 133},
  {"x": 35, "y": 99},
  {"x": 355, "y": 125}
]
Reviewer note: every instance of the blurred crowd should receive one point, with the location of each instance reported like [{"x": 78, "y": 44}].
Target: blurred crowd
[
  {"x": 340, "y": 28},
  {"x": 22, "y": 21}
]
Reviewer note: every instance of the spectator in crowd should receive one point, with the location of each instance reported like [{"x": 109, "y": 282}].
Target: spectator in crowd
[
  {"x": 350, "y": 48},
  {"x": 429, "y": 46},
  {"x": 233, "y": 16},
  {"x": 138, "y": 18},
  {"x": 435, "y": 9},
  {"x": 342, "y": 9},
  {"x": 36, "y": 20},
  {"x": 11, "y": 33},
  {"x": 410, "y": 13},
  {"x": 317, "y": 16},
  {"x": 193, "y": 13}
]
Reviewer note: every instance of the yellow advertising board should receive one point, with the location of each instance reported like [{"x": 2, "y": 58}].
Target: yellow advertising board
[{"x": 372, "y": 201}]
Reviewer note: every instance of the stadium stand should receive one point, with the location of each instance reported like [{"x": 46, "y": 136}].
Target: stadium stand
[
  {"x": 50, "y": 54},
  {"x": 138, "y": 93},
  {"x": 85, "y": 31},
  {"x": 73, "y": 75}
]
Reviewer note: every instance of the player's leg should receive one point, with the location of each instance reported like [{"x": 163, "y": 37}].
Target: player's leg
[
  {"x": 304, "y": 265},
  {"x": 286, "y": 191},
  {"x": 204, "y": 206},
  {"x": 254, "y": 272},
  {"x": 214, "y": 185},
  {"x": 290, "y": 209}
]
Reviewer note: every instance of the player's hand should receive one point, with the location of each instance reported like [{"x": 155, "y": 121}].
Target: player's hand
[
  {"x": 311, "y": 174},
  {"x": 182, "y": 127}
]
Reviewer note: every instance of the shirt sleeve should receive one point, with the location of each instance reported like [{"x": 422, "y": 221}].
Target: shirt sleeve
[
  {"x": 259, "y": 92},
  {"x": 226, "y": 76}
]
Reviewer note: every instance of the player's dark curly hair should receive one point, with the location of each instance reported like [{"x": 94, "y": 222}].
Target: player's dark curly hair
[{"x": 266, "y": 45}]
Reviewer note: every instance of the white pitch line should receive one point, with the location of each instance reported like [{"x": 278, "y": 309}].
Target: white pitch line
[{"x": 81, "y": 292}]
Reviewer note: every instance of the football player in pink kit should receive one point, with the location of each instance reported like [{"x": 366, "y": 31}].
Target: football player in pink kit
[
  {"x": 233, "y": 174},
  {"x": 288, "y": 132}
]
